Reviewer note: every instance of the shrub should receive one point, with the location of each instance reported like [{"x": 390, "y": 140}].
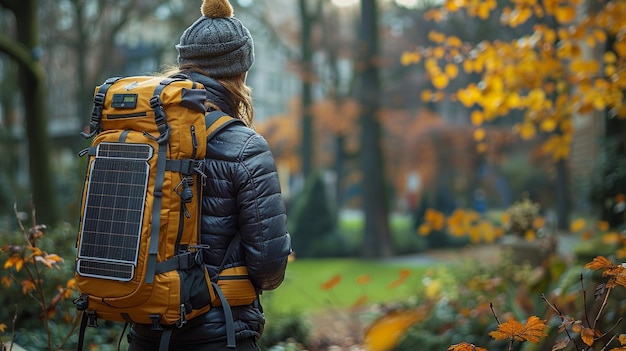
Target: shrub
[
  {"x": 35, "y": 283},
  {"x": 285, "y": 328},
  {"x": 313, "y": 223}
]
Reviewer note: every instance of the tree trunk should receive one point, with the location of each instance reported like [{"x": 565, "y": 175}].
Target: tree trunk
[
  {"x": 32, "y": 86},
  {"x": 306, "y": 47},
  {"x": 377, "y": 238}
]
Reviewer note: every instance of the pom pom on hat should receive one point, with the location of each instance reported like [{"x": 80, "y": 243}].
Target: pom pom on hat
[
  {"x": 217, "y": 42},
  {"x": 217, "y": 9}
]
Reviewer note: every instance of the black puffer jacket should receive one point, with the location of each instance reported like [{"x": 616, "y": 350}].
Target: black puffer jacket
[{"x": 242, "y": 195}]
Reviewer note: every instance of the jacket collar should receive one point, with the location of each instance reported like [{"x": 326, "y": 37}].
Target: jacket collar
[{"x": 216, "y": 93}]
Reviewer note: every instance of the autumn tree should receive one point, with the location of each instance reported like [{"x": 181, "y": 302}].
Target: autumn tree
[
  {"x": 557, "y": 68},
  {"x": 24, "y": 48},
  {"x": 377, "y": 237}
]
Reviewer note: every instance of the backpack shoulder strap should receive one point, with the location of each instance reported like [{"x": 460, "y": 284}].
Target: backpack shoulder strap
[{"x": 218, "y": 120}]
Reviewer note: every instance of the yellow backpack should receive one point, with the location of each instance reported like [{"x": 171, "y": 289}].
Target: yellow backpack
[{"x": 139, "y": 255}]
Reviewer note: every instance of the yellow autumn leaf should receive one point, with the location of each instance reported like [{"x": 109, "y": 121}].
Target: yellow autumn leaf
[
  {"x": 14, "y": 261},
  {"x": 612, "y": 238},
  {"x": 600, "y": 35},
  {"x": 385, "y": 332},
  {"x": 454, "y": 41},
  {"x": 609, "y": 57},
  {"x": 577, "y": 225},
  {"x": 622, "y": 339},
  {"x": 468, "y": 66},
  {"x": 439, "y": 52},
  {"x": 427, "y": 95},
  {"x": 484, "y": 10},
  {"x": 548, "y": 125},
  {"x": 436, "y": 37},
  {"x": 599, "y": 103},
  {"x": 479, "y": 134},
  {"x": 410, "y": 58},
  {"x": 565, "y": 14},
  {"x": 6, "y": 281},
  {"x": 452, "y": 70},
  {"x": 440, "y": 81},
  {"x": 481, "y": 148},
  {"x": 477, "y": 117},
  {"x": 526, "y": 130},
  {"x": 610, "y": 70},
  {"x": 452, "y": 5},
  {"x": 620, "y": 48}
]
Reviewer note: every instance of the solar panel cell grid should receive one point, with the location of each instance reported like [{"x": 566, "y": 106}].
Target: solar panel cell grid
[{"x": 114, "y": 211}]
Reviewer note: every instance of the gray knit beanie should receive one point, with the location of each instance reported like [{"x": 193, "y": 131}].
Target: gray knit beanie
[{"x": 217, "y": 42}]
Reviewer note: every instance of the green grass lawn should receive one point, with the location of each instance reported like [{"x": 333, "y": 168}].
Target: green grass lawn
[{"x": 302, "y": 289}]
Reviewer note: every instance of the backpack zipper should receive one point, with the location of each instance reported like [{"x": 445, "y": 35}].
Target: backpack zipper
[
  {"x": 194, "y": 141},
  {"x": 126, "y": 115}
]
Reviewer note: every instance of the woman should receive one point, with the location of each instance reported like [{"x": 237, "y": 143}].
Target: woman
[{"x": 242, "y": 192}]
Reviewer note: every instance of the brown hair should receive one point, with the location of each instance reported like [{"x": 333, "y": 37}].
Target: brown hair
[{"x": 240, "y": 94}]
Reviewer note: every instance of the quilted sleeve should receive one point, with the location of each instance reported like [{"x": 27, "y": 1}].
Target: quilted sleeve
[{"x": 262, "y": 215}]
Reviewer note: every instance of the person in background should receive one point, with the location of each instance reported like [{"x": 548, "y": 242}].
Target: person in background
[{"x": 242, "y": 196}]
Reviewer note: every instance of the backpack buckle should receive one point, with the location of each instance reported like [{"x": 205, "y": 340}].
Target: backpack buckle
[
  {"x": 92, "y": 319},
  {"x": 156, "y": 324}
]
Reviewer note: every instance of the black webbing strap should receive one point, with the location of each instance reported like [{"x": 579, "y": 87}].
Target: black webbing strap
[
  {"x": 228, "y": 315},
  {"x": 81, "y": 331},
  {"x": 185, "y": 167},
  {"x": 161, "y": 121},
  {"x": 165, "y": 339},
  {"x": 156, "y": 214},
  {"x": 183, "y": 262},
  {"x": 98, "y": 106}
]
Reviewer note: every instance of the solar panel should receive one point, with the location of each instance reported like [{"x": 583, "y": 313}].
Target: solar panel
[{"x": 113, "y": 212}]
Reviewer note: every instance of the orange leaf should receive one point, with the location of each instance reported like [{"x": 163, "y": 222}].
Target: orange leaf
[
  {"x": 603, "y": 226},
  {"x": 3, "y": 327},
  {"x": 27, "y": 285},
  {"x": 16, "y": 261},
  {"x": 464, "y": 346},
  {"x": 587, "y": 335},
  {"x": 329, "y": 284},
  {"x": 363, "y": 279},
  {"x": 532, "y": 331},
  {"x": 577, "y": 225},
  {"x": 599, "y": 262},
  {"x": 403, "y": 274}
]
